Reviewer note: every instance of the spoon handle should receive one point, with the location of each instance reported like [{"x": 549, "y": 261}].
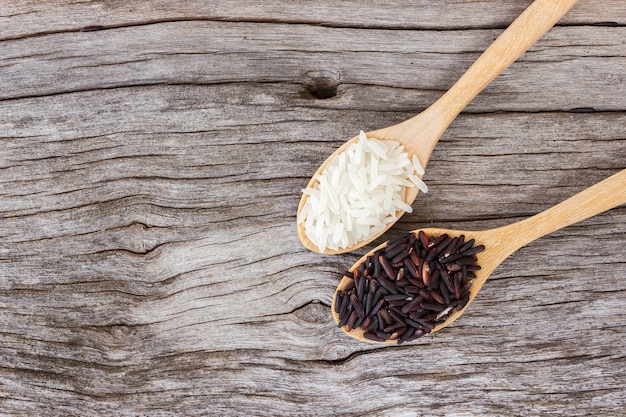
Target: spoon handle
[
  {"x": 421, "y": 133},
  {"x": 531, "y": 25},
  {"x": 596, "y": 199}
]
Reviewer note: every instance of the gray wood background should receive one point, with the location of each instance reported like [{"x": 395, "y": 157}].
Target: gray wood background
[{"x": 150, "y": 173}]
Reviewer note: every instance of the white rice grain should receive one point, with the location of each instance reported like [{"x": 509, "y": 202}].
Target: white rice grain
[
  {"x": 419, "y": 183},
  {"x": 418, "y": 166}
]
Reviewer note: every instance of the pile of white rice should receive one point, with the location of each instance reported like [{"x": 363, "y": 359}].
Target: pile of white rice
[{"x": 359, "y": 192}]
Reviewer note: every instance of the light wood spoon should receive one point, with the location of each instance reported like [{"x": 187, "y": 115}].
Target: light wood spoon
[
  {"x": 420, "y": 134},
  {"x": 503, "y": 241}
]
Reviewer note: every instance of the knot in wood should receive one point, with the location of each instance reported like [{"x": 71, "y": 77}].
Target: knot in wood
[{"x": 322, "y": 84}]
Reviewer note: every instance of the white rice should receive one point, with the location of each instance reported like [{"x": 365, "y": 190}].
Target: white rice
[{"x": 359, "y": 192}]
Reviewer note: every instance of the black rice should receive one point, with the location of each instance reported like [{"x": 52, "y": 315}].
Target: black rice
[{"x": 404, "y": 290}]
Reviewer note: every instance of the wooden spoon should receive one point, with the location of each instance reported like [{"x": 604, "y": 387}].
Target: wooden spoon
[
  {"x": 420, "y": 134},
  {"x": 503, "y": 241}
]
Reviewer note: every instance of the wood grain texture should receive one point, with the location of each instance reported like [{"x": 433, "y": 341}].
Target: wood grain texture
[{"x": 149, "y": 178}]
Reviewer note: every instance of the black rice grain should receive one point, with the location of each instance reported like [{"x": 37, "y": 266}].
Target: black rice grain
[
  {"x": 373, "y": 336},
  {"x": 387, "y": 266},
  {"x": 377, "y": 307},
  {"x": 474, "y": 250}
]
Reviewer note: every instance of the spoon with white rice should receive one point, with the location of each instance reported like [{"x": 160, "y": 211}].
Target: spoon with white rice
[{"x": 367, "y": 184}]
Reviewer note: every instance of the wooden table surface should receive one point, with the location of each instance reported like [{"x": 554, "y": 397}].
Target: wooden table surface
[{"x": 150, "y": 173}]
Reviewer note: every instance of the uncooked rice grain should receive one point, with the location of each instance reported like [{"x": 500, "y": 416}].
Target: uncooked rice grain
[{"x": 359, "y": 192}]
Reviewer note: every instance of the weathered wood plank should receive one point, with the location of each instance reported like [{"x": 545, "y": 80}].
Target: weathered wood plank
[
  {"x": 149, "y": 178},
  {"x": 23, "y": 18},
  {"x": 379, "y": 69}
]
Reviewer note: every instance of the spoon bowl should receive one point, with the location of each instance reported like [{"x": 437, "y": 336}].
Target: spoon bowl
[
  {"x": 501, "y": 242},
  {"x": 420, "y": 134}
]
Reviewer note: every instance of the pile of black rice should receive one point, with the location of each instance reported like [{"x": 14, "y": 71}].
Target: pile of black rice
[{"x": 402, "y": 291}]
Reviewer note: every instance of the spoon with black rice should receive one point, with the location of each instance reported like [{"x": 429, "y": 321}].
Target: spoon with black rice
[{"x": 423, "y": 281}]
